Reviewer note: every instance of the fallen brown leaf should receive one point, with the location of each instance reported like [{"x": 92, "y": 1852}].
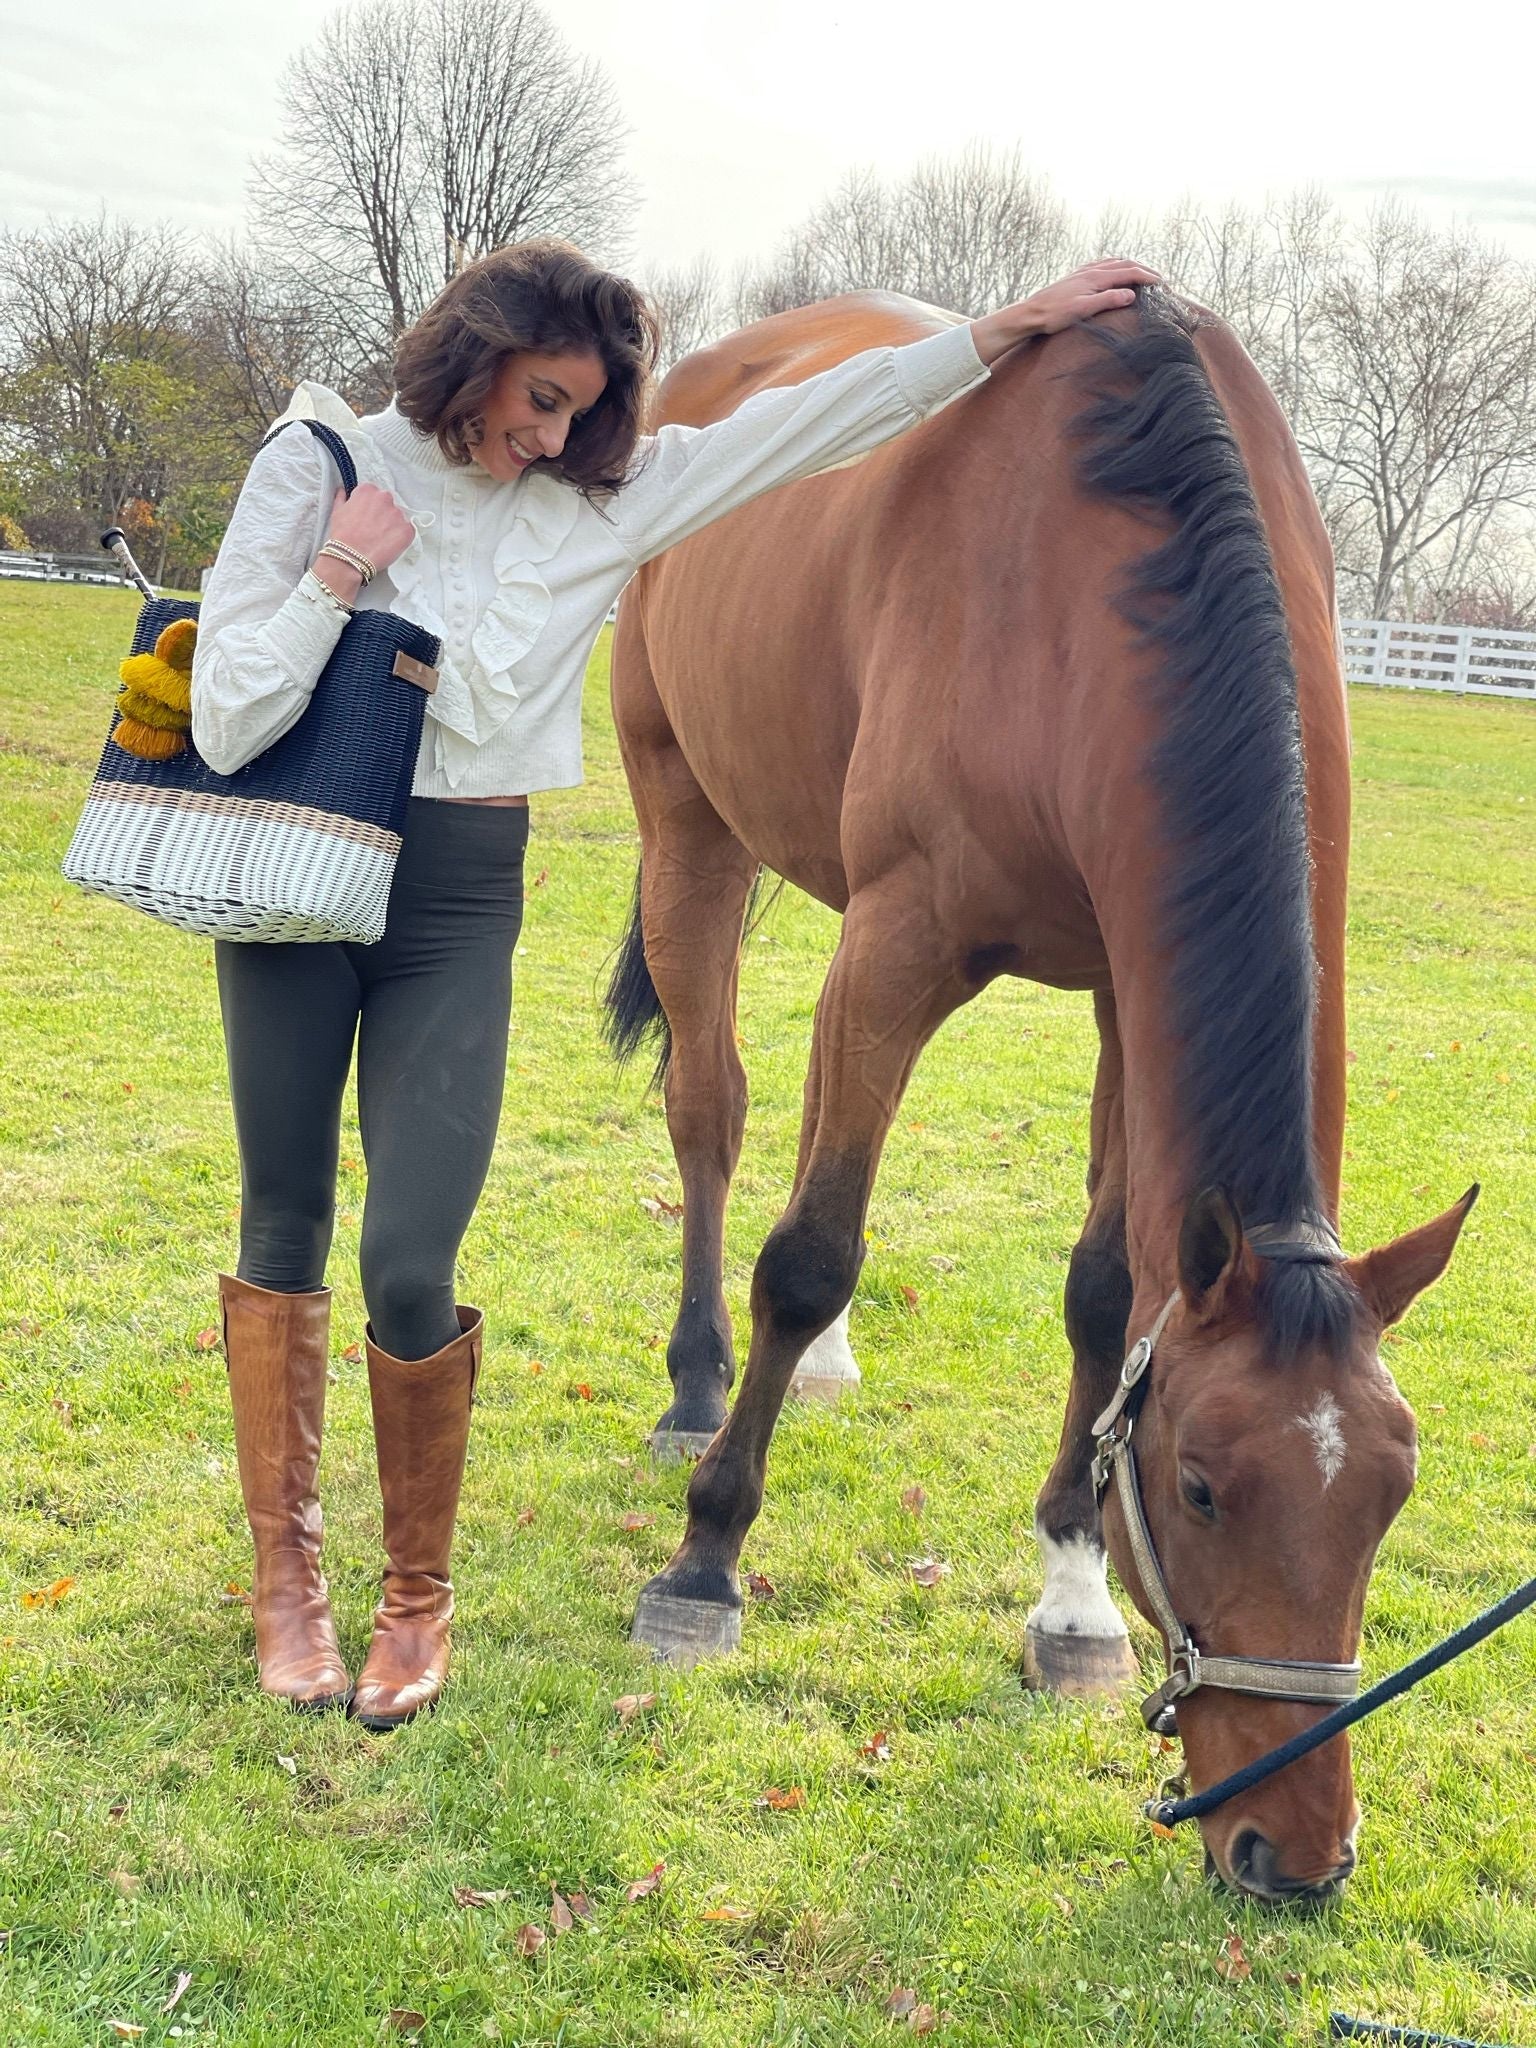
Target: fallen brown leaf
[
  {"x": 582, "y": 1391},
  {"x": 635, "y": 1520},
  {"x": 117, "y": 1809},
  {"x": 467, "y": 1896},
  {"x": 535, "y": 1365},
  {"x": 1479, "y": 1442},
  {"x": 782, "y": 1801},
  {"x": 539, "y": 879},
  {"x": 924, "y": 2020},
  {"x": 353, "y": 1355},
  {"x": 561, "y": 1917},
  {"x": 927, "y": 1571},
  {"x": 1163, "y": 1833},
  {"x": 404, "y": 2021},
  {"x": 125, "y": 2030},
  {"x": 914, "y": 1499},
  {"x": 580, "y": 1905},
  {"x": 633, "y": 1703},
  {"x": 64, "y": 1410},
  {"x": 644, "y": 1886},
  {"x": 664, "y": 1212},
  {"x": 760, "y": 1586},
  {"x": 1232, "y": 1962},
  {"x": 49, "y": 1596},
  {"x": 901, "y": 2004},
  {"x": 235, "y": 1595},
  {"x": 878, "y": 1746},
  {"x": 726, "y": 1912},
  {"x": 1063, "y": 1905},
  {"x": 530, "y": 1939},
  {"x": 910, "y": 1296},
  {"x": 205, "y": 1340},
  {"x": 1293, "y": 1978},
  {"x": 183, "y": 1979}
]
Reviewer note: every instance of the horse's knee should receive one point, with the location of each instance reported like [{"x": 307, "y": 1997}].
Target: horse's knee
[
  {"x": 805, "y": 1274},
  {"x": 1098, "y": 1296}
]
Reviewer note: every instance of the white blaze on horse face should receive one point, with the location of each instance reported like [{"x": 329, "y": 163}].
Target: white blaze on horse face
[
  {"x": 1075, "y": 1600},
  {"x": 1325, "y": 1425}
]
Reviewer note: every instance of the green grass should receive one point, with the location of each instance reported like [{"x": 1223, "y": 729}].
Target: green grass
[{"x": 997, "y": 1863}]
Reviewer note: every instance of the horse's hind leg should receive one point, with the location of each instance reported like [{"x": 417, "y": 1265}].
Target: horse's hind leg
[
  {"x": 1076, "y": 1642},
  {"x": 694, "y": 881},
  {"x": 888, "y": 989}
]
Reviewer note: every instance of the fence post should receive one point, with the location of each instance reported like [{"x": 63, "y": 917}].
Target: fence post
[{"x": 1461, "y": 661}]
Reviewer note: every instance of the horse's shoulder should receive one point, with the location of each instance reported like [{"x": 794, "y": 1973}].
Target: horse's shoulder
[{"x": 788, "y": 347}]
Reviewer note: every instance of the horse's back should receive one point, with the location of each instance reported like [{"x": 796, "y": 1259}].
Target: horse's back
[{"x": 786, "y": 348}]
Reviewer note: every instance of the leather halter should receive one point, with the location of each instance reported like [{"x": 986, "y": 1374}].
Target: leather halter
[{"x": 1189, "y": 1668}]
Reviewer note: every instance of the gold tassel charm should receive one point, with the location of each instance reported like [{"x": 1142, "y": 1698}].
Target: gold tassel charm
[{"x": 155, "y": 703}]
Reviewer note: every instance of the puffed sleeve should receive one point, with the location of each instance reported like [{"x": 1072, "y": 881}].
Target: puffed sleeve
[
  {"x": 687, "y": 476},
  {"x": 266, "y": 629}
]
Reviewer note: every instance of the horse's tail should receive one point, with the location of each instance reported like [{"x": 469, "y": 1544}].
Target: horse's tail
[{"x": 634, "y": 1011}]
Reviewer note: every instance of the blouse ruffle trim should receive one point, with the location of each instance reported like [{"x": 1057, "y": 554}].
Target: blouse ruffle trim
[{"x": 471, "y": 705}]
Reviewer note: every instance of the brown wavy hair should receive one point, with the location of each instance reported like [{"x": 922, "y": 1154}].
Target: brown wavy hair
[{"x": 545, "y": 296}]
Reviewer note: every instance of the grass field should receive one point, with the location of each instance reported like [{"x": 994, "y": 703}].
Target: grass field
[{"x": 158, "y": 1818}]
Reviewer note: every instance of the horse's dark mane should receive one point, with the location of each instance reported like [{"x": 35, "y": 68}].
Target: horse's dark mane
[{"x": 1228, "y": 773}]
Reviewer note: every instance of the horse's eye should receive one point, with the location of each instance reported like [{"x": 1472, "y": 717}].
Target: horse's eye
[{"x": 1198, "y": 1494}]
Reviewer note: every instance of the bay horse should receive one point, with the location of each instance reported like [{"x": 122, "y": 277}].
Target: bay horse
[{"x": 1049, "y": 687}]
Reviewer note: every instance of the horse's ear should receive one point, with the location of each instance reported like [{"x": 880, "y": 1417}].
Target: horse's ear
[
  {"x": 1210, "y": 1246},
  {"x": 1393, "y": 1278}
]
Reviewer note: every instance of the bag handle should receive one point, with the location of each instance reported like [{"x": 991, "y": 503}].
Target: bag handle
[{"x": 332, "y": 441}]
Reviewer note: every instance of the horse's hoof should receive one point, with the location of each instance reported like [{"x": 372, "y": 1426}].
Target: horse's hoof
[
  {"x": 823, "y": 1386},
  {"x": 679, "y": 1446},
  {"x": 1078, "y": 1667},
  {"x": 685, "y": 1632}
]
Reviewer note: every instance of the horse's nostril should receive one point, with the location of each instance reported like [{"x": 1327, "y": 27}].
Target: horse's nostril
[{"x": 1244, "y": 1854}]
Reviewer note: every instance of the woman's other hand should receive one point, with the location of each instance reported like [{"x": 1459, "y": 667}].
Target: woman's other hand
[
  {"x": 374, "y": 523},
  {"x": 1096, "y": 288}
]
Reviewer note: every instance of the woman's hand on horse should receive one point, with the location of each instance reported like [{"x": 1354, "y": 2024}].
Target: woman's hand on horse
[
  {"x": 1096, "y": 288},
  {"x": 374, "y": 523}
]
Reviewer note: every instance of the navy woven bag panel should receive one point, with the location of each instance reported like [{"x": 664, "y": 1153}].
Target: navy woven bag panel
[{"x": 352, "y": 753}]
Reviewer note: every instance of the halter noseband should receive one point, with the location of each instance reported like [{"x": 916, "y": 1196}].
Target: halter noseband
[{"x": 1276, "y": 1678}]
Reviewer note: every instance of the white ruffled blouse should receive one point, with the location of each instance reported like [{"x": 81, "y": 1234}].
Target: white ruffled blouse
[{"x": 515, "y": 579}]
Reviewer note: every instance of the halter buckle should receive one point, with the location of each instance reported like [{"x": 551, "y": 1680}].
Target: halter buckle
[{"x": 1158, "y": 1709}]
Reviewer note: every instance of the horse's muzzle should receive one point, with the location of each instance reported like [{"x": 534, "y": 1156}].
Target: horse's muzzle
[{"x": 1255, "y": 1869}]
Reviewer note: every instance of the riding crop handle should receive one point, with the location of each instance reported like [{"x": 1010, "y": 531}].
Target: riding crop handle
[
  {"x": 115, "y": 541},
  {"x": 1169, "y": 1813}
]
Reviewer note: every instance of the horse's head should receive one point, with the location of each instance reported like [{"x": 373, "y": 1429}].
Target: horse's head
[{"x": 1272, "y": 1450}]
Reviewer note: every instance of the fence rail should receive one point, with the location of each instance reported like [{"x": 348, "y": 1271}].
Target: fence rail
[
  {"x": 1473, "y": 661},
  {"x": 36, "y": 568}
]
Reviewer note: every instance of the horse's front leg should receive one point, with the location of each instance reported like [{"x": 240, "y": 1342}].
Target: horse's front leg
[
  {"x": 888, "y": 989},
  {"x": 1076, "y": 1642}
]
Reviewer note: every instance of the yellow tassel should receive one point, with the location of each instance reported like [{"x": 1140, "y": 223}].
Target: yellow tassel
[
  {"x": 135, "y": 704},
  {"x": 155, "y": 678},
  {"x": 178, "y": 643},
  {"x": 148, "y": 742}
]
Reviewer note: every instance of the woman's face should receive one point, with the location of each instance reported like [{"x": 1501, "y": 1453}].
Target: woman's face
[{"x": 531, "y": 407}]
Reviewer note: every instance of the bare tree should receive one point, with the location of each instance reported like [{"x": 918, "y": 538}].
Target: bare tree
[
  {"x": 690, "y": 302},
  {"x": 1422, "y": 433},
  {"x": 419, "y": 134},
  {"x": 969, "y": 233}
]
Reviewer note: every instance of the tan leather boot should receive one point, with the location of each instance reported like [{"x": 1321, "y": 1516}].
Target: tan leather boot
[
  {"x": 275, "y": 1347},
  {"x": 421, "y": 1428}
]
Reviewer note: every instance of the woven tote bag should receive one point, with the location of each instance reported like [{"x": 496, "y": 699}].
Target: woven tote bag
[{"x": 300, "y": 844}]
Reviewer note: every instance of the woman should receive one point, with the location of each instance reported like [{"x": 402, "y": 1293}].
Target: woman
[{"x": 504, "y": 499}]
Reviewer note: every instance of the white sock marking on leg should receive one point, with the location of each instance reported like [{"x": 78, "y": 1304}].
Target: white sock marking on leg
[
  {"x": 830, "y": 1356},
  {"x": 1076, "y": 1600}
]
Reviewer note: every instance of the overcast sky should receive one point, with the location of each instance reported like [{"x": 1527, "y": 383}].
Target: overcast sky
[{"x": 744, "y": 112}]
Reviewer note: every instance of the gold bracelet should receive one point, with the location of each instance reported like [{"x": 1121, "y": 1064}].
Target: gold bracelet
[{"x": 339, "y": 551}]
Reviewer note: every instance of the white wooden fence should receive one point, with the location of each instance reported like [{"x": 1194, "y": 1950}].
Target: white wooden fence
[{"x": 1470, "y": 660}]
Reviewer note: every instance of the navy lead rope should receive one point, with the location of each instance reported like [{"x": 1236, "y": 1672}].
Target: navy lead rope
[{"x": 1169, "y": 1813}]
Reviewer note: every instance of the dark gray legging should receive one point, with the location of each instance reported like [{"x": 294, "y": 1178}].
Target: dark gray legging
[{"x": 429, "y": 1006}]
